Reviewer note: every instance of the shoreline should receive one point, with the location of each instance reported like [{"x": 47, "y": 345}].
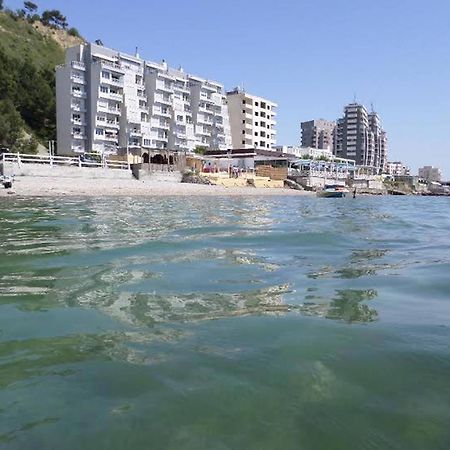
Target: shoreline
[{"x": 76, "y": 187}]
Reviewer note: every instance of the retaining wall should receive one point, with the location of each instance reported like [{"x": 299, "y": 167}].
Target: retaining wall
[{"x": 45, "y": 170}]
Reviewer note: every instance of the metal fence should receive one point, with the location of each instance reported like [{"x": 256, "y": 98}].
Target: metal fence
[{"x": 67, "y": 161}]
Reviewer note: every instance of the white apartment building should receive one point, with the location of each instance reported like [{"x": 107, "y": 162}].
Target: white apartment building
[
  {"x": 252, "y": 120},
  {"x": 397, "y": 168},
  {"x": 108, "y": 100}
]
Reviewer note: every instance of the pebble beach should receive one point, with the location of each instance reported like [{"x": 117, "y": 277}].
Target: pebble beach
[{"x": 58, "y": 186}]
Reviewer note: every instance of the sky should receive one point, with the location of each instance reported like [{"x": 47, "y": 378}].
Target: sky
[{"x": 312, "y": 57}]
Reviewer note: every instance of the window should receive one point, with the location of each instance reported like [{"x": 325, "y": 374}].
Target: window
[
  {"x": 104, "y": 89},
  {"x": 243, "y": 142},
  {"x": 243, "y": 122},
  {"x": 256, "y": 124},
  {"x": 105, "y": 74},
  {"x": 179, "y": 118},
  {"x": 243, "y": 102},
  {"x": 243, "y": 131},
  {"x": 99, "y": 131},
  {"x": 147, "y": 142},
  {"x": 243, "y": 111},
  {"x": 256, "y": 133},
  {"x": 256, "y": 104},
  {"x": 256, "y": 113}
]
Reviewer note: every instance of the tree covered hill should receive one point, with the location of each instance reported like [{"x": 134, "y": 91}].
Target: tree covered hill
[{"x": 31, "y": 46}]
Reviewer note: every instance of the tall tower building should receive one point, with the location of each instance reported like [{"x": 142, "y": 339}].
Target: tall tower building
[
  {"x": 107, "y": 99},
  {"x": 318, "y": 134},
  {"x": 252, "y": 120},
  {"x": 359, "y": 136}
]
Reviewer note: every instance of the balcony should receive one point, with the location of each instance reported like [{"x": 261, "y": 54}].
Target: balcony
[
  {"x": 114, "y": 67},
  {"x": 202, "y": 131},
  {"x": 162, "y": 125},
  {"x": 182, "y": 89},
  {"x": 78, "y": 65},
  {"x": 161, "y": 86},
  {"x": 205, "y": 120},
  {"x": 112, "y": 81},
  {"x": 78, "y": 108},
  {"x": 163, "y": 100},
  {"x": 116, "y": 97},
  {"x": 77, "y": 79},
  {"x": 112, "y": 110},
  {"x": 110, "y": 137},
  {"x": 78, "y": 94},
  {"x": 111, "y": 124},
  {"x": 110, "y": 96}
]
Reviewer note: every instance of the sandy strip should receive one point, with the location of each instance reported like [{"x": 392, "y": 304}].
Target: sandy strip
[{"x": 55, "y": 187}]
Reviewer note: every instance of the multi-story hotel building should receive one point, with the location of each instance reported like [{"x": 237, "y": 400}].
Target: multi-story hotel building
[
  {"x": 108, "y": 100},
  {"x": 318, "y": 134},
  {"x": 359, "y": 136},
  {"x": 252, "y": 120}
]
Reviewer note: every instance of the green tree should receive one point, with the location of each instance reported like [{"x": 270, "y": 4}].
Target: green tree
[
  {"x": 30, "y": 7},
  {"x": 54, "y": 18},
  {"x": 27, "y": 145},
  {"x": 73, "y": 32},
  {"x": 11, "y": 125}
]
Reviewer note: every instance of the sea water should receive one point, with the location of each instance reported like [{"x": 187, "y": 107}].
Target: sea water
[{"x": 225, "y": 323}]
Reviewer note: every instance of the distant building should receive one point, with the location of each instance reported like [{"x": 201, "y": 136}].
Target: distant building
[
  {"x": 397, "y": 168},
  {"x": 304, "y": 152},
  {"x": 359, "y": 136},
  {"x": 252, "y": 120},
  {"x": 318, "y": 134},
  {"x": 430, "y": 173},
  {"x": 106, "y": 99}
]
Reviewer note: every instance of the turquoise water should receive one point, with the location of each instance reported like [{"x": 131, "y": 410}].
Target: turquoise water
[{"x": 225, "y": 323}]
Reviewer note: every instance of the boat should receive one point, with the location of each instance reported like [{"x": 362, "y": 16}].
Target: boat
[{"x": 333, "y": 191}]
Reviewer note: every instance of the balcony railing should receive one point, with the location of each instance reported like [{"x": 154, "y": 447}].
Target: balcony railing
[
  {"x": 77, "y": 79},
  {"x": 78, "y": 65}
]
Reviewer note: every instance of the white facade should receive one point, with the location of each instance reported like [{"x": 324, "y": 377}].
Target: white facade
[
  {"x": 305, "y": 152},
  {"x": 252, "y": 120},
  {"x": 107, "y": 99},
  {"x": 397, "y": 168}
]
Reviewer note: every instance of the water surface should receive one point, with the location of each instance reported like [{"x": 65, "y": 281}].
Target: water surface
[{"x": 225, "y": 323}]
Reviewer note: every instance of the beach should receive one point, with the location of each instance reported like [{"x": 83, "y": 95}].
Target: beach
[{"x": 59, "y": 186}]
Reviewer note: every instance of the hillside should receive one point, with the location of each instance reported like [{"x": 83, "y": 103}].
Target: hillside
[{"x": 29, "y": 52}]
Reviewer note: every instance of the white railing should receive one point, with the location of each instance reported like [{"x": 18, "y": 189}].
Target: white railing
[{"x": 74, "y": 161}]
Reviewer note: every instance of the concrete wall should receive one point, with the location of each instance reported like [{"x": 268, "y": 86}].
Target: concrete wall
[{"x": 44, "y": 170}]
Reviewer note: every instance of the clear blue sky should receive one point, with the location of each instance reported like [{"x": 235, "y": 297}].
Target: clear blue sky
[{"x": 310, "y": 56}]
